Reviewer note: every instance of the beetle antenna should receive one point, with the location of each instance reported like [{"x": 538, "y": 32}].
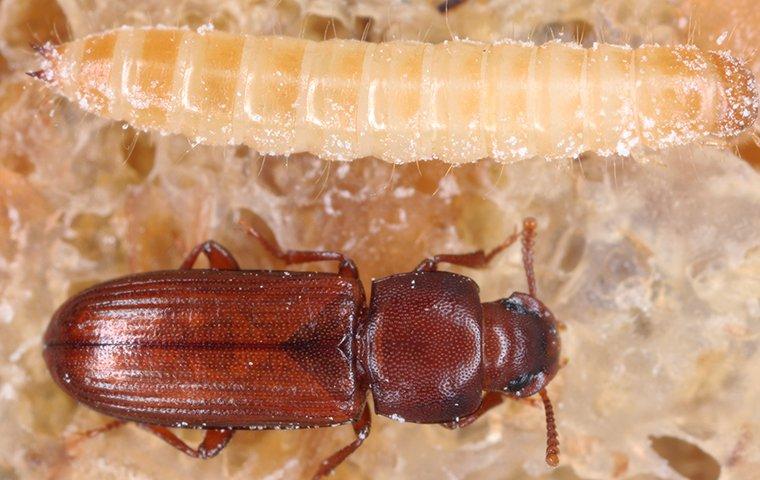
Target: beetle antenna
[
  {"x": 528, "y": 241},
  {"x": 552, "y": 441}
]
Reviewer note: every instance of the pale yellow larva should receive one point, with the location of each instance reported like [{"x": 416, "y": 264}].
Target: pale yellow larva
[{"x": 405, "y": 101}]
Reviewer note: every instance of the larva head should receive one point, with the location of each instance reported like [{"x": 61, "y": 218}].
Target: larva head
[
  {"x": 739, "y": 95},
  {"x": 521, "y": 345}
]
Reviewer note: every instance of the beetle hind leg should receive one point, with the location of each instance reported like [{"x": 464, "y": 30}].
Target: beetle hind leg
[
  {"x": 213, "y": 443},
  {"x": 361, "y": 428}
]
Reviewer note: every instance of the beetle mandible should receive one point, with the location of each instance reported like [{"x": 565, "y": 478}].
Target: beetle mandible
[{"x": 223, "y": 349}]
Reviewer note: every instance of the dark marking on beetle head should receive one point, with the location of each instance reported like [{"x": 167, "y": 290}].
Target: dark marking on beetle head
[
  {"x": 519, "y": 382},
  {"x": 515, "y": 304}
]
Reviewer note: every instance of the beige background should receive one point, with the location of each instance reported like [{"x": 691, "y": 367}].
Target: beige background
[{"x": 653, "y": 262}]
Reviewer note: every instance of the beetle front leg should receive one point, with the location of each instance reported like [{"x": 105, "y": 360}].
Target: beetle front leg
[
  {"x": 219, "y": 257},
  {"x": 480, "y": 259},
  {"x": 490, "y": 400},
  {"x": 477, "y": 259},
  {"x": 361, "y": 428},
  {"x": 213, "y": 443},
  {"x": 346, "y": 268}
]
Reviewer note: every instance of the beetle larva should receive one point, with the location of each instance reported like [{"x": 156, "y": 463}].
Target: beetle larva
[{"x": 404, "y": 101}]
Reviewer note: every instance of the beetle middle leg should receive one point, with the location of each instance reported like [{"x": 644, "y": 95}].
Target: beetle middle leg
[
  {"x": 213, "y": 443},
  {"x": 490, "y": 400},
  {"x": 361, "y": 428},
  {"x": 347, "y": 267},
  {"x": 218, "y": 257}
]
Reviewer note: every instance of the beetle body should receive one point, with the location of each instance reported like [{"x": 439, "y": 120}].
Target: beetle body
[
  {"x": 213, "y": 348},
  {"x": 225, "y": 349}
]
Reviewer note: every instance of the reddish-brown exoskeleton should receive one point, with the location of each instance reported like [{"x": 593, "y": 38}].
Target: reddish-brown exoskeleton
[{"x": 222, "y": 349}]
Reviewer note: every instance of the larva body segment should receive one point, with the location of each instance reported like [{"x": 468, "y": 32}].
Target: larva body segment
[{"x": 405, "y": 101}]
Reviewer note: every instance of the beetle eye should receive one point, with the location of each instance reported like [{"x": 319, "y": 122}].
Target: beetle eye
[{"x": 517, "y": 384}]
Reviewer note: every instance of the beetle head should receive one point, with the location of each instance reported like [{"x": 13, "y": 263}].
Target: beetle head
[{"x": 521, "y": 345}]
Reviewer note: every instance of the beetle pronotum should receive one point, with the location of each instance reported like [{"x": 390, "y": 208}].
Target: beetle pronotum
[{"x": 405, "y": 101}]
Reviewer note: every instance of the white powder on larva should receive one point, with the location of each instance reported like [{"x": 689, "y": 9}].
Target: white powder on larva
[{"x": 405, "y": 101}]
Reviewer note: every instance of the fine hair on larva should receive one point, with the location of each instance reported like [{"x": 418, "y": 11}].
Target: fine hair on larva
[{"x": 404, "y": 101}]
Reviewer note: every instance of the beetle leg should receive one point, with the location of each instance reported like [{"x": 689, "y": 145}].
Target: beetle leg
[
  {"x": 477, "y": 259},
  {"x": 218, "y": 257},
  {"x": 490, "y": 400},
  {"x": 480, "y": 259},
  {"x": 213, "y": 443},
  {"x": 347, "y": 267},
  {"x": 93, "y": 432},
  {"x": 361, "y": 427}
]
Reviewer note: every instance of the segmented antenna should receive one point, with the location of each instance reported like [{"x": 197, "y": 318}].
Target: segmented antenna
[
  {"x": 552, "y": 441},
  {"x": 528, "y": 240}
]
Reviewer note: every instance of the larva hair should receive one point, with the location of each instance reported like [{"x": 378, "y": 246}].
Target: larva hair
[{"x": 405, "y": 101}]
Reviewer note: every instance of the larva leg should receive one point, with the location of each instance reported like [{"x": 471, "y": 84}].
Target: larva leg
[
  {"x": 213, "y": 443},
  {"x": 477, "y": 259},
  {"x": 347, "y": 267},
  {"x": 448, "y": 5},
  {"x": 490, "y": 400},
  {"x": 361, "y": 428},
  {"x": 218, "y": 256}
]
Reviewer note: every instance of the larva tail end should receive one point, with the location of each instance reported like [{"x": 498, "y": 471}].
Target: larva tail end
[
  {"x": 740, "y": 92},
  {"x": 49, "y": 54},
  {"x": 45, "y": 50},
  {"x": 38, "y": 47}
]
